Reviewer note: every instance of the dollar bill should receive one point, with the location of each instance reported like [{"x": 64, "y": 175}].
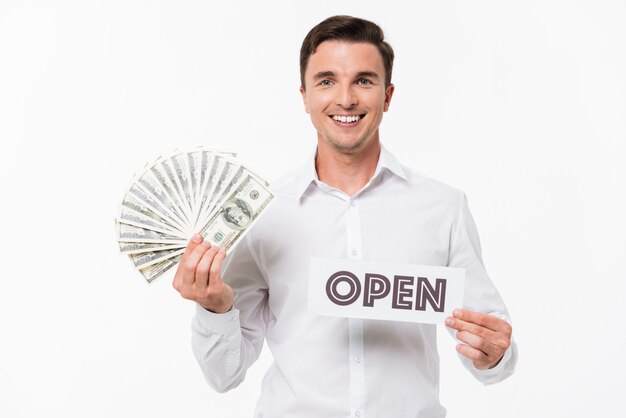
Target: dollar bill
[
  {"x": 163, "y": 173},
  {"x": 216, "y": 164},
  {"x": 130, "y": 217},
  {"x": 229, "y": 222},
  {"x": 207, "y": 167},
  {"x": 144, "y": 247},
  {"x": 143, "y": 260},
  {"x": 136, "y": 205},
  {"x": 155, "y": 271},
  {"x": 145, "y": 199},
  {"x": 132, "y": 233},
  {"x": 155, "y": 184},
  {"x": 194, "y": 160},
  {"x": 205, "y": 158},
  {"x": 241, "y": 171},
  {"x": 230, "y": 174},
  {"x": 179, "y": 163}
]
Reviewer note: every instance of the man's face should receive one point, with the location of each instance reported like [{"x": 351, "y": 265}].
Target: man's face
[{"x": 345, "y": 94}]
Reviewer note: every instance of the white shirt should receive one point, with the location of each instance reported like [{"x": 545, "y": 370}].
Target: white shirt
[{"x": 337, "y": 367}]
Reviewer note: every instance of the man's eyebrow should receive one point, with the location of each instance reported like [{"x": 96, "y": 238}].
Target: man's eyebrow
[
  {"x": 323, "y": 74},
  {"x": 360, "y": 74},
  {"x": 370, "y": 74}
]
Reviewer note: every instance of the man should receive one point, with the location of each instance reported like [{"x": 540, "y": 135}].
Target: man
[{"x": 337, "y": 206}]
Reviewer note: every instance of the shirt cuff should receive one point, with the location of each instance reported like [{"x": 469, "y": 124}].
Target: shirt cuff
[{"x": 218, "y": 323}]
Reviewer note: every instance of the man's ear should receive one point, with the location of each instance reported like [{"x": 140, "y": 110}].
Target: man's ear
[
  {"x": 388, "y": 93},
  {"x": 304, "y": 100}
]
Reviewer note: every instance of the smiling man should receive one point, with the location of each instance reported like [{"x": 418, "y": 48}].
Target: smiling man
[{"x": 340, "y": 205}]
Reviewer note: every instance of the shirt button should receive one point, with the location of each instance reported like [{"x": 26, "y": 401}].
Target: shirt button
[
  {"x": 352, "y": 204},
  {"x": 357, "y": 359},
  {"x": 357, "y": 412},
  {"x": 354, "y": 252}
]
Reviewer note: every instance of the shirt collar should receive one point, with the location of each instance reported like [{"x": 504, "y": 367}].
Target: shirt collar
[{"x": 386, "y": 162}]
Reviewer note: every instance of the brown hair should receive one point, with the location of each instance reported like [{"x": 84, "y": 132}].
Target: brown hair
[{"x": 346, "y": 28}]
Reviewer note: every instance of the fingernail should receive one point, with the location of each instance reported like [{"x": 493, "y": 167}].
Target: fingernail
[
  {"x": 197, "y": 238},
  {"x": 449, "y": 322},
  {"x": 456, "y": 313},
  {"x": 206, "y": 243}
]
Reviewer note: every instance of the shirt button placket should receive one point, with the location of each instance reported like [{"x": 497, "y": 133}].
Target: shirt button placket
[{"x": 355, "y": 326}]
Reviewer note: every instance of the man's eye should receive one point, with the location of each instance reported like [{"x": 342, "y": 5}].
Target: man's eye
[
  {"x": 325, "y": 83},
  {"x": 364, "y": 82}
]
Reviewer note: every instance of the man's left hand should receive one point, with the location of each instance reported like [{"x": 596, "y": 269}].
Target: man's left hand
[{"x": 486, "y": 337}]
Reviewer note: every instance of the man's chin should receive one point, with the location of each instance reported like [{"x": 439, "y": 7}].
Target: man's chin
[{"x": 348, "y": 147}]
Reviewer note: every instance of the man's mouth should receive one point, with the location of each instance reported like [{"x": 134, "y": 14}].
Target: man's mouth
[{"x": 347, "y": 118}]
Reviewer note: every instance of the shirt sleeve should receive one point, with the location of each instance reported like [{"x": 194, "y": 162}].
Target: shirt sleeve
[
  {"x": 480, "y": 293},
  {"x": 225, "y": 345}
]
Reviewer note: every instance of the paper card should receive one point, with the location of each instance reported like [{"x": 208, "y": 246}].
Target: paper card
[{"x": 388, "y": 291}]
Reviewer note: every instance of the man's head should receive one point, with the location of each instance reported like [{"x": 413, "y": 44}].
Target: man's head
[
  {"x": 348, "y": 83},
  {"x": 349, "y": 29}
]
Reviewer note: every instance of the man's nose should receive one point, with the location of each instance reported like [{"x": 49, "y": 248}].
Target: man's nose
[{"x": 346, "y": 97}]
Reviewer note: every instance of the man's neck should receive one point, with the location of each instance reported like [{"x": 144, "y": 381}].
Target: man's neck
[{"x": 348, "y": 172}]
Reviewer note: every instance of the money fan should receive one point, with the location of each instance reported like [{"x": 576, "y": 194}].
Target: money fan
[{"x": 187, "y": 191}]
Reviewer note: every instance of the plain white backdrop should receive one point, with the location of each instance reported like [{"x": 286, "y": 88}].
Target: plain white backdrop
[{"x": 520, "y": 104}]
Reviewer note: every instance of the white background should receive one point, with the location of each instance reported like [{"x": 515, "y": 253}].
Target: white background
[{"x": 521, "y": 104}]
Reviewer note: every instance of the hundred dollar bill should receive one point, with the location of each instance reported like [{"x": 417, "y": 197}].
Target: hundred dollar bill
[
  {"x": 130, "y": 217},
  {"x": 194, "y": 159},
  {"x": 230, "y": 176},
  {"x": 223, "y": 175},
  {"x": 155, "y": 271},
  {"x": 131, "y": 233},
  {"x": 229, "y": 222},
  {"x": 144, "y": 198},
  {"x": 136, "y": 205},
  {"x": 216, "y": 163},
  {"x": 165, "y": 178},
  {"x": 144, "y": 247},
  {"x": 207, "y": 160},
  {"x": 154, "y": 182},
  {"x": 144, "y": 260},
  {"x": 241, "y": 171},
  {"x": 231, "y": 173},
  {"x": 179, "y": 163},
  {"x": 167, "y": 164},
  {"x": 203, "y": 160}
]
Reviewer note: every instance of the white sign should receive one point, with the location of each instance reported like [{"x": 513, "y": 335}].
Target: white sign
[{"x": 390, "y": 291}]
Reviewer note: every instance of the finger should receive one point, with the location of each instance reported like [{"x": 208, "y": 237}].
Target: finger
[
  {"x": 485, "y": 320},
  {"x": 477, "y": 356},
  {"x": 490, "y": 342},
  {"x": 475, "y": 329},
  {"x": 216, "y": 269},
  {"x": 191, "y": 263},
  {"x": 474, "y": 341},
  {"x": 193, "y": 243},
  {"x": 202, "y": 271}
]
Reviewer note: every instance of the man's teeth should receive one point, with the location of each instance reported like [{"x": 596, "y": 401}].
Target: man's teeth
[{"x": 346, "y": 119}]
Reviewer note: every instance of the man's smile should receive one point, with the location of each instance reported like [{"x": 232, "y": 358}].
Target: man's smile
[{"x": 347, "y": 120}]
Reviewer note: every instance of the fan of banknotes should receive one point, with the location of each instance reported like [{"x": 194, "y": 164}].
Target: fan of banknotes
[{"x": 187, "y": 191}]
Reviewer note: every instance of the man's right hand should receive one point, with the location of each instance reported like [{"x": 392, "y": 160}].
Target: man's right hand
[{"x": 199, "y": 276}]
